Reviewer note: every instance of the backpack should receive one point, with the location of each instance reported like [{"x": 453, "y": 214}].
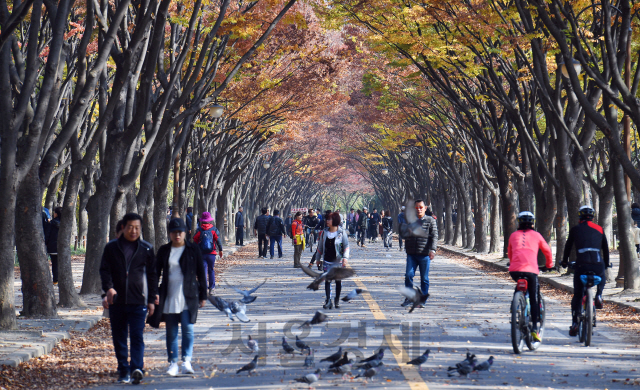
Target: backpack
[{"x": 206, "y": 241}]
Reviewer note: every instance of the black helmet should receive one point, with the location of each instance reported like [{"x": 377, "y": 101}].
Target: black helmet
[
  {"x": 526, "y": 218},
  {"x": 586, "y": 213}
]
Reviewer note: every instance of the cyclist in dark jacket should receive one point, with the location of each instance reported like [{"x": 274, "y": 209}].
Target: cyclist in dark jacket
[
  {"x": 275, "y": 230},
  {"x": 592, "y": 255},
  {"x": 260, "y": 229},
  {"x": 421, "y": 249}
]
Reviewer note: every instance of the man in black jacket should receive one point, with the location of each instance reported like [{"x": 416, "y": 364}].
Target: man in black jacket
[
  {"x": 260, "y": 229},
  {"x": 421, "y": 248},
  {"x": 128, "y": 275},
  {"x": 275, "y": 230},
  {"x": 240, "y": 227},
  {"x": 51, "y": 241}
]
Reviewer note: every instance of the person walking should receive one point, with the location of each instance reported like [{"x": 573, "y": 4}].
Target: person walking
[
  {"x": 362, "y": 227},
  {"x": 189, "y": 221},
  {"x": 128, "y": 276},
  {"x": 275, "y": 230},
  {"x": 208, "y": 239},
  {"x": 260, "y": 229},
  {"x": 401, "y": 220},
  {"x": 387, "y": 229},
  {"x": 240, "y": 227},
  {"x": 333, "y": 250},
  {"x": 374, "y": 224},
  {"x": 287, "y": 224},
  {"x": 182, "y": 292},
  {"x": 297, "y": 234},
  {"x": 420, "y": 250},
  {"x": 51, "y": 241}
]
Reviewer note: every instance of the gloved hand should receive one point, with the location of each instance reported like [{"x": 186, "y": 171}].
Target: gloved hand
[{"x": 564, "y": 264}]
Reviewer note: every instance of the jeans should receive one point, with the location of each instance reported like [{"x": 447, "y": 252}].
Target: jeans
[
  {"x": 598, "y": 269},
  {"x": 272, "y": 241},
  {"x": 54, "y": 267},
  {"x": 533, "y": 288},
  {"x": 128, "y": 321},
  {"x": 209, "y": 269},
  {"x": 239, "y": 235},
  {"x": 413, "y": 262},
  {"x": 172, "y": 321},
  {"x": 263, "y": 244}
]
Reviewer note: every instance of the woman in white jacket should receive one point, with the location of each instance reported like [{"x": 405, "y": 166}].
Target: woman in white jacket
[{"x": 333, "y": 249}]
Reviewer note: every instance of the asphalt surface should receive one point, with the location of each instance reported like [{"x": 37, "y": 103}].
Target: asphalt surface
[{"x": 467, "y": 311}]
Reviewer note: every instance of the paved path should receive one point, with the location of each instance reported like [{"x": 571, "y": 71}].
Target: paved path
[{"x": 468, "y": 311}]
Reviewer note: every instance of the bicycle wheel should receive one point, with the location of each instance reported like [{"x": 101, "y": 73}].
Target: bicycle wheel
[
  {"x": 518, "y": 307},
  {"x": 533, "y": 345},
  {"x": 588, "y": 318}
]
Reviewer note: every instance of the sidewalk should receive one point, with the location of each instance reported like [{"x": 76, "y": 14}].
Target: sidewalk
[
  {"x": 37, "y": 337},
  {"x": 628, "y": 299}
]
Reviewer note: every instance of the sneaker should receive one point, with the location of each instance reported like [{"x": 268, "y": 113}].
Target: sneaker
[
  {"x": 173, "y": 369},
  {"x": 271, "y": 257},
  {"x": 406, "y": 302},
  {"x": 136, "y": 376},
  {"x": 55, "y": 283},
  {"x": 535, "y": 334},
  {"x": 573, "y": 331},
  {"x": 124, "y": 378},
  {"x": 310, "y": 265},
  {"x": 599, "y": 302},
  {"x": 211, "y": 290},
  {"x": 187, "y": 369}
]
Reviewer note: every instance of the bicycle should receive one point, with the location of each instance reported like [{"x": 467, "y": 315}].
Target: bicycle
[
  {"x": 587, "y": 315},
  {"x": 521, "y": 323},
  {"x": 309, "y": 238}
]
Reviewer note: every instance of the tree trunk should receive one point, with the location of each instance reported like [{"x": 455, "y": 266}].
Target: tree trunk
[
  {"x": 561, "y": 223},
  {"x": 7, "y": 255},
  {"x": 494, "y": 245},
  {"x": 448, "y": 224},
  {"x": 37, "y": 284},
  {"x": 627, "y": 246}
]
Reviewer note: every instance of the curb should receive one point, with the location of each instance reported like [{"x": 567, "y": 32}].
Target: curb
[{"x": 554, "y": 283}]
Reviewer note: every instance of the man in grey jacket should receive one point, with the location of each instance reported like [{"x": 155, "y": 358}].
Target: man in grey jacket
[{"x": 239, "y": 227}]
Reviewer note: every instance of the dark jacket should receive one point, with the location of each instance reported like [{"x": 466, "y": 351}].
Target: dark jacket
[
  {"x": 590, "y": 242},
  {"x": 387, "y": 223},
  {"x": 362, "y": 220},
  {"x": 261, "y": 223},
  {"x": 130, "y": 280},
  {"x": 51, "y": 239},
  {"x": 194, "y": 283},
  {"x": 189, "y": 220},
  {"x": 635, "y": 215},
  {"x": 239, "y": 219},
  {"x": 275, "y": 226},
  {"x": 416, "y": 245}
]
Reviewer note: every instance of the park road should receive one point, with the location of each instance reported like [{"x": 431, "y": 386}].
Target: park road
[{"x": 468, "y": 311}]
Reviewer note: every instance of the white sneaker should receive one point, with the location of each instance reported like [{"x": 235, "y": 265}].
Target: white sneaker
[
  {"x": 173, "y": 369},
  {"x": 187, "y": 369}
]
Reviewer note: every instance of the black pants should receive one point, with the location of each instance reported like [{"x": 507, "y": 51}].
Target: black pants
[
  {"x": 240, "y": 235},
  {"x": 361, "y": 236},
  {"x": 533, "y": 289},
  {"x": 598, "y": 269},
  {"x": 400, "y": 240},
  {"x": 327, "y": 289},
  {"x": 263, "y": 245},
  {"x": 54, "y": 267}
]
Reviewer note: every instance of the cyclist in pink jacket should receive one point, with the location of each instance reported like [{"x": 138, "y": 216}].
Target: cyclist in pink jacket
[{"x": 524, "y": 245}]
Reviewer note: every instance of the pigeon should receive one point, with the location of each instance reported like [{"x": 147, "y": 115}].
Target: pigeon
[
  {"x": 341, "y": 362},
  {"x": 414, "y": 295},
  {"x": 250, "y": 366},
  {"x": 333, "y": 273},
  {"x": 470, "y": 359},
  {"x": 308, "y": 361},
  {"x": 246, "y": 295},
  {"x": 240, "y": 309},
  {"x": 318, "y": 318},
  {"x": 354, "y": 293},
  {"x": 413, "y": 226},
  {"x": 463, "y": 369},
  {"x": 221, "y": 305},
  {"x": 333, "y": 358},
  {"x": 309, "y": 378},
  {"x": 287, "y": 348},
  {"x": 343, "y": 369},
  {"x": 301, "y": 344},
  {"x": 420, "y": 360},
  {"x": 376, "y": 356},
  {"x": 371, "y": 364},
  {"x": 253, "y": 345},
  {"x": 369, "y": 373},
  {"x": 484, "y": 366}
]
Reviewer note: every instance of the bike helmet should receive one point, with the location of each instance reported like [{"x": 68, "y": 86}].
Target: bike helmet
[
  {"x": 586, "y": 213},
  {"x": 526, "y": 218}
]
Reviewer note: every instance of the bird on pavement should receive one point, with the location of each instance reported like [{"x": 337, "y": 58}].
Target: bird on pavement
[
  {"x": 309, "y": 378},
  {"x": 333, "y": 273},
  {"x": 343, "y": 369},
  {"x": 341, "y": 362},
  {"x": 250, "y": 366},
  {"x": 484, "y": 366},
  {"x": 221, "y": 305},
  {"x": 309, "y": 361},
  {"x": 414, "y": 296},
  {"x": 240, "y": 310},
  {"x": 462, "y": 370},
  {"x": 470, "y": 359},
  {"x": 318, "y": 318},
  {"x": 287, "y": 348},
  {"x": 376, "y": 356},
  {"x": 370, "y": 373},
  {"x": 371, "y": 364},
  {"x": 333, "y": 358},
  {"x": 246, "y": 294},
  {"x": 420, "y": 360},
  {"x": 301, "y": 344},
  {"x": 253, "y": 345},
  {"x": 352, "y": 294}
]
